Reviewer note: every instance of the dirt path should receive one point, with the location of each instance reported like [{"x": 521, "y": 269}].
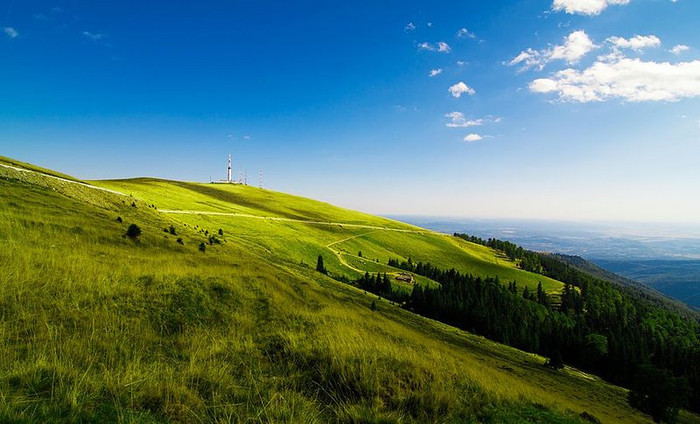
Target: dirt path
[
  {"x": 302, "y": 221},
  {"x": 340, "y": 254},
  {"x": 65, "y": 180}
]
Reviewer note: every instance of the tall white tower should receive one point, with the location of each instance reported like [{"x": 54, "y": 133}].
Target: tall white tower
[{"x": 229, "y": 169}]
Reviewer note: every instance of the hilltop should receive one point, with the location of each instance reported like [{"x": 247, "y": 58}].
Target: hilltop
[{"x": 216, "y": 313}]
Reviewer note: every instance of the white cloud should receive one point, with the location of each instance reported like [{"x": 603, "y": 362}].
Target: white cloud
[
  {"x": 435, "y": 72},
  {"x": 465, "y": 33},
  {"x": 462, "y": 63},
  {"x": 461, "y": 88},
  {"x": 410, "y": 26},
  {"x": 621, "y": 77},
  {"x": 93, "y": 37},
  {"x": 472, "y": 138},
  {"x": 458, "y": 120},
  {"x": 10, "y": 32},
  {"x": 679, "y": 48},
  {"x": 585, "y": 7},
  {"x": 638, "y": 42},
  {"x": 441, "y": 47},
  {"x": 576, "y": 45}
]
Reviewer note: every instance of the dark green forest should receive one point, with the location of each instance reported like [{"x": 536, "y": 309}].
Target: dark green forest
[{"x": 593, "y": 325}]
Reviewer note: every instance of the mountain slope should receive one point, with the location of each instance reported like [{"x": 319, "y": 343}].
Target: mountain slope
[
  {"x": 631, "y": 286},
  {"x": 296, "y": 229},
  {"x": 98, "y": 326}
]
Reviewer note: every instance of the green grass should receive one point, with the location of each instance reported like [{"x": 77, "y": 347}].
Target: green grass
[
  {"x": 28, "y": 166},
  {"x": 297, "y": 242},
  {"x": 97, "y": 327}
]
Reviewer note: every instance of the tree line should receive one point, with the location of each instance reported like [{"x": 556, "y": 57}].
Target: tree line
[{"x": 596, "y": 326}]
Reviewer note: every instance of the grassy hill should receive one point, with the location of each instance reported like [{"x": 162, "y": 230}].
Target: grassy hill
[
  {"x": 294, "y": 229},
  {"x": 99, "y": 327}
]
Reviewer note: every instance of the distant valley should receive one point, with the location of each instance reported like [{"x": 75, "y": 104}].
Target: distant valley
[{"x": 664, "y": 257}]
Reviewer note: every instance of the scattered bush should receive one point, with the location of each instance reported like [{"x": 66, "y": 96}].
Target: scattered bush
[
  {"x": 213, "y": 240},
  {"x": 179, "y": 240},
  {"x": 555, "y": 362},
  {"x": 202, "y": 247},
  {"x": 172, "y": 231},
  {"x": 221, "y": 232},
  {"x": 133, "y": 232},
  {"x": 119, "y": 219}
]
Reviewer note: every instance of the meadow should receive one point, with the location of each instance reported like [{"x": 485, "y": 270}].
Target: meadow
[{"x": 99, "y": 327}]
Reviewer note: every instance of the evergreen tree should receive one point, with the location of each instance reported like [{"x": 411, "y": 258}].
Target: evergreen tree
[{"x": 319, "y": 265}]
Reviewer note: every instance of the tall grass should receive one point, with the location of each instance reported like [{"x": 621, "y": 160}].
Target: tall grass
[{"x": 96, "y": 327}]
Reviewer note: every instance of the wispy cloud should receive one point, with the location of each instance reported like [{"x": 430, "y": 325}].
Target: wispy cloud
[
  {"x": 471, "y": 138},
  {"x": 461, "y": 88},
  {"x": 458, "y": 120},
  {"x": 441, "y": 47},
  {"x": 409, "y": 27},
  {"x": 465, "y": 33},
  {"x": 10, "y": 32},
  {"x": 435, "y": 72},
  {"x": 576, "y": 45},
  {"x": 679, "y": 48},
  {"x": 93, "y": 36},
  {"x": 638, "y": 42},
  {"x": 585, "y": 7}
]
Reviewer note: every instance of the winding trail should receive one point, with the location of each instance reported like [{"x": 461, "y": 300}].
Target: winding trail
[{"x": 339, "y": 254}]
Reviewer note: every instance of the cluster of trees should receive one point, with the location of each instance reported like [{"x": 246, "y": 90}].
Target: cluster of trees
[
  {"x": 527, "y": 260},
  {"x": 381, "y": 286},
  {"x": 596, "y": 327}
]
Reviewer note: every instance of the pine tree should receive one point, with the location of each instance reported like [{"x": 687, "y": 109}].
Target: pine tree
[{"x": 319, "y": 265}]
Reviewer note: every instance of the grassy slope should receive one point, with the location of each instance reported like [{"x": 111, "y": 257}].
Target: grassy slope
[
  {"x": 23, "y": 165},
  {"x": 297, "y": 242},
  {"x": 97, "y": 326}
]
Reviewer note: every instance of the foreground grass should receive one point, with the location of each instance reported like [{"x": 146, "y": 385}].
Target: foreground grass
[{"x": 97, "y": 327}]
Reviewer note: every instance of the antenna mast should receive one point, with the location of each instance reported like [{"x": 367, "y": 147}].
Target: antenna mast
[{"x": 228, "y": 175}]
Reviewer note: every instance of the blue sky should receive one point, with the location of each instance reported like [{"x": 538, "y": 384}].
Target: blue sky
[{"x": 552, "y": 109}]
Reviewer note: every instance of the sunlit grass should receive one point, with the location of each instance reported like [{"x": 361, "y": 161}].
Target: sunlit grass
[{"x": 96, "y": 326}]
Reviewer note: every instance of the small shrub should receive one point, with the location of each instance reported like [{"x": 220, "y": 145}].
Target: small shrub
[
  {"x": 179, "y": 240},
  {"x": 555, "y": 362},
  {"x": 221, "y": 232},
  {"x": 133, "y": 232},
  {"x": 119, "y": 219},
  {"x": 172, "y": 231},
  {"x": 359, "y": 253},
  {"x": 202, "y": 247},
  {"x": 133, "y": 204},
  {"x": 374, "y": 305}
]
